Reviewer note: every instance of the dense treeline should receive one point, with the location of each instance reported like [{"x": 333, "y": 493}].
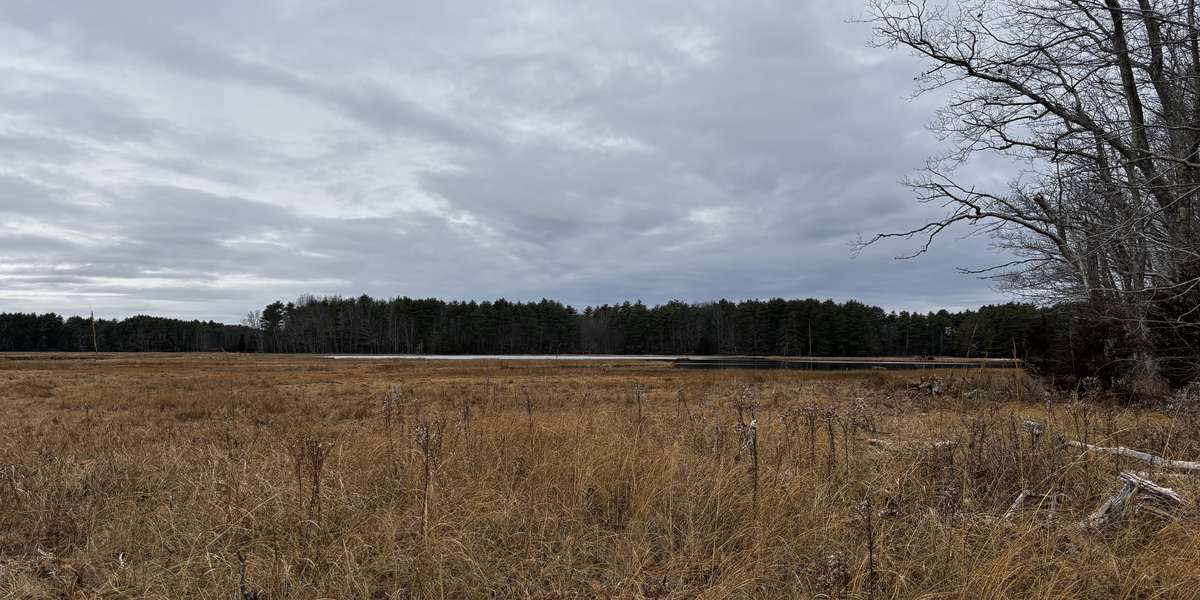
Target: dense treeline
[
  {"x": 771, "y": 327},
  {"x": 50, "y": 332},
  {"x": 1043, "y": 336}
]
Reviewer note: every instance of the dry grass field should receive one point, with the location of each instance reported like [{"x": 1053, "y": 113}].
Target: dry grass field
[{"x": 163, "y": 476}]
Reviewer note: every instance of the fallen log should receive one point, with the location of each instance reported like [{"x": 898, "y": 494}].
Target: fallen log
[
  {"x": 1158, "y": 461},
  {"x": 1184, "y": 477},
  {"x": 1028, "y": 497},
  {"x": 892, "y": 446},
  {"x": 1012, "y": 509},
  {"x": 1037, "y": 428},
  {"x": 1155, "y": 499}
]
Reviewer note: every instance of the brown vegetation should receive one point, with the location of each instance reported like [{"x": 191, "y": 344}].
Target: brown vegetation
[{"x": 270, "y": 477}]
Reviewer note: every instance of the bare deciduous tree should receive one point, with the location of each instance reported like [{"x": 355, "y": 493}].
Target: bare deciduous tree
[{"x": 1098, "y": 103}]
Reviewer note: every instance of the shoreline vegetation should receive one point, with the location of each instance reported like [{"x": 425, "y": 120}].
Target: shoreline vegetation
[{"x": 1042, "y": 337}]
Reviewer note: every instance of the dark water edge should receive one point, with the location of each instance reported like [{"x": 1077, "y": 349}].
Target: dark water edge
[
  {"x": 839, "y": 365},
  {"x": 727, "y": 362}
]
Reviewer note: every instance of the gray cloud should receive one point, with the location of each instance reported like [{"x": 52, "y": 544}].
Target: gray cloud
[{"x": 202, "y": 159}]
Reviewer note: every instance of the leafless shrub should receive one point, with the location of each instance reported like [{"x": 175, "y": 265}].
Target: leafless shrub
[
  {"x": 393, "y": 420},
  {"x": 428, "y": 436},
  {"x": 812, "y": 416},
  {"x": 862, "y": 515},
  {"x": 308, "y": 460},
  {"x": 830, "y": 417},
  {"x": 748, "y": 440}
]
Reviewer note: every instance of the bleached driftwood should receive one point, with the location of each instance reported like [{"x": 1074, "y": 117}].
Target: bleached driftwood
[
  {"x": 1184, "y": 477},
  {"x": 935, "y": 386},
  {"x": 1158, "y": 461},
  {"x": 1037, "y": 428},
  {"x": 1028, "y": 497},
  {"x": 892, "y": 446},
  {"x": 1153, "y": 498},
  {"x": 1034, "y": 427},
  {"x": 1012, "y": 509}
]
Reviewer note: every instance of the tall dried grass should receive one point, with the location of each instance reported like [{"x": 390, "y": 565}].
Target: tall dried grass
[{"x": 173, "y": 477}]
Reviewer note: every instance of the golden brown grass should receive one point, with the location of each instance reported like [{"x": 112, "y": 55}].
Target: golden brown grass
[{"x": 148, "y": 476}]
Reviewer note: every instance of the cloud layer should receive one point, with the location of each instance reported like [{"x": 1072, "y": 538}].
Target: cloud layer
[{"x": 201, "y": 159}]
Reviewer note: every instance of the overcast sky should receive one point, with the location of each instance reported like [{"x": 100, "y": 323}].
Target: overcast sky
[{"x": 200, "y": 159}]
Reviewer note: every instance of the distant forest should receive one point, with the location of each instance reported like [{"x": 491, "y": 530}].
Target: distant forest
[{"x": 1043, "y": 336}]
